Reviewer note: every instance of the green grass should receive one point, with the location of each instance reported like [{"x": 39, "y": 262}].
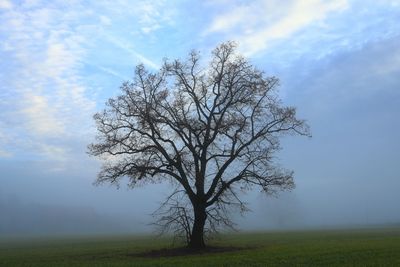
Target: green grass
[{"x": 365, "y": 247}]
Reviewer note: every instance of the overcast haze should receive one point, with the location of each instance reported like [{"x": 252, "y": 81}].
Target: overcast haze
[{"x": 338, "y": 62}]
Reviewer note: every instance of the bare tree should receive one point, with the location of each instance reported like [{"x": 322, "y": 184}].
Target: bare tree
[{"x": 211, "y": 131}]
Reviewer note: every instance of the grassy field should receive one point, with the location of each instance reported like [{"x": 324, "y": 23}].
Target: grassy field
[{"x": 364, "y": 247}]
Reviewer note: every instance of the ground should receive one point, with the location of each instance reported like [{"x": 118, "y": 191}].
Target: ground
[{"x": 356, "y": 247}]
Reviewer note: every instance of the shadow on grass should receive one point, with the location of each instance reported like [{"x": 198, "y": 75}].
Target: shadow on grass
[{"x": 184, "y": 251}]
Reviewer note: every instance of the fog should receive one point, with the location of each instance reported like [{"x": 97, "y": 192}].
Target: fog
[
  {"x": 343, "y": 80},
  {"x": 347, "y": 175}
]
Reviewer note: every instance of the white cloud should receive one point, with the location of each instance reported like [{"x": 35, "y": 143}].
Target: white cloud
[
  {"x": 105, "y": 20},
  {"x": 48, "y": 46},
  {"x": 5, "y": 4},
  {"x": 153, "y": 15},
  {"x": 48, "y": 99},
  {"x": 234, "y": 18},
  {"x": 150, "y": 15},
  {"x": 41, "y": 118},
  {"x": 259, "y": 24}
]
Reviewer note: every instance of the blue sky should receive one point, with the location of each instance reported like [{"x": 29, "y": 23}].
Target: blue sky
[{"x": 338, "y": 61}]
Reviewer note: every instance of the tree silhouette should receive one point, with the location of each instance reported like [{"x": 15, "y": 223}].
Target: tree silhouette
[{"x": 211, "y": 131}]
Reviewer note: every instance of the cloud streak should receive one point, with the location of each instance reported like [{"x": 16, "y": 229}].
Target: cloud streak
[
  {"x": 259, "y": 24},
  {"x": 126, "y": 46}
]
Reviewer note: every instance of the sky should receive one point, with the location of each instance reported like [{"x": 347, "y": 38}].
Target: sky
[{"x": 338, "y": 62}]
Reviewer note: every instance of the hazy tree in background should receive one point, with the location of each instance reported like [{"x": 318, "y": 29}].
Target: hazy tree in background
[{"x": 210, "y": 130}]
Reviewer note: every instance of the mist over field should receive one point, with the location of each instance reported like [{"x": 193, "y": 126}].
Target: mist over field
[{"x": 59, "y": 65}]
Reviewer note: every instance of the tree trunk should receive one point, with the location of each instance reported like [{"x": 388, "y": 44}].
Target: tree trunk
[{"x": 197, "y": 237}]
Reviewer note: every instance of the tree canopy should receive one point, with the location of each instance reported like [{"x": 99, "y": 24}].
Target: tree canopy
[{"x": 210, "y": 129}]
